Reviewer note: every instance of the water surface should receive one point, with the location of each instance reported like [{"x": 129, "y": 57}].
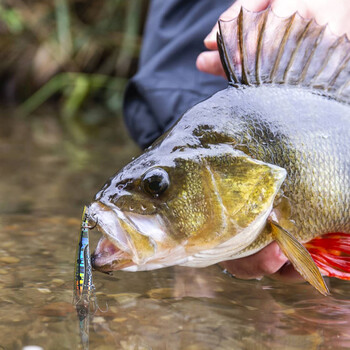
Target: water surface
[{"x": 46, "y": 178}]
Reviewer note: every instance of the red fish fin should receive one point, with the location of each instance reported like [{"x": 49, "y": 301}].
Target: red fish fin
[{"x": 331, "y": 253}]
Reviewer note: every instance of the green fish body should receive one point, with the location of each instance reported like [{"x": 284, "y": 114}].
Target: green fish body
[
  {"x": 301, "y": 131},
  {"x": 268, "y": 155}
]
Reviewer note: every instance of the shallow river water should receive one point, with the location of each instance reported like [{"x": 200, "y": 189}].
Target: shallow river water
[{"x": 46, "y": 178}]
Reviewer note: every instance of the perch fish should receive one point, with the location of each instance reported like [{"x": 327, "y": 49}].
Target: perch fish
[{"x": 266, "y": 159}]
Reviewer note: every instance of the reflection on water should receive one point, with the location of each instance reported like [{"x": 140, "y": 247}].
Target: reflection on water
[{"x": 45, "y": 180}]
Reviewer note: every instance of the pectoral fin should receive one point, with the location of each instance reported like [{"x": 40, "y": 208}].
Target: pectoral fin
[{"x": 299, "y": 257}]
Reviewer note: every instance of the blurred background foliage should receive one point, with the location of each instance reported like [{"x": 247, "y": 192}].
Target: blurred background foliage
[{"x": 77, "y": 54}]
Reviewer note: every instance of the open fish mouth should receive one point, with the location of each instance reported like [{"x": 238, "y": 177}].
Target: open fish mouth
[
  {"x": 130, "y": 241},
  {"x": 108, "y": 257},
  {"x": 112, "y": 251}
]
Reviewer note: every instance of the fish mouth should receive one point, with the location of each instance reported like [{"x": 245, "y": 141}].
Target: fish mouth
[
  {"x": 114, "y": 251},
  {"x": 130, "y": 241},
  {"x": 109, "y": 257}
]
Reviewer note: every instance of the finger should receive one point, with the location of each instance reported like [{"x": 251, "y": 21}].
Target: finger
[
  {"x": 287, "y": 273},
  {"x": 266, "y": 262},
  {"x": 209, "y": 62},
  {"x": 232, "y": 12},
  {"x": 210, "y": 40},
  {"x": 254, "y": 5},
  {"x": 286, "y": 8}
]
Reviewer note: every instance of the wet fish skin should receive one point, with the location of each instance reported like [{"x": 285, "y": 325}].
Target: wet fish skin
[
  {"x": 295, "y": 129},
  {"x": 264, "y": 159},
  {"x": 308, "y": 135}
]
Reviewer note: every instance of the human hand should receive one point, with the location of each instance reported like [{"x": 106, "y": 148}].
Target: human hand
[
  {"x": 324, "y": 11},
  {"x": 268, "y": 261}
]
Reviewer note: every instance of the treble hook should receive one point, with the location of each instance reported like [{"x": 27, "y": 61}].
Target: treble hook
[{"x": 91, "y": 227}]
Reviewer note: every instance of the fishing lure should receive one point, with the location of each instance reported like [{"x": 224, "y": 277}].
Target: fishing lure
[
  {"x": 83, "y": 270},
  {"x": 84, "y": 289}
]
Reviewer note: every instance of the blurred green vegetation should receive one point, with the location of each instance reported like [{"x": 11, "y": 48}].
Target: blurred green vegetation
[{"x": 74, "y": 53}]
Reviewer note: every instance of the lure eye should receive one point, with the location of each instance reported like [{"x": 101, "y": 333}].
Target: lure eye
[{"x": 155, "y": 181}]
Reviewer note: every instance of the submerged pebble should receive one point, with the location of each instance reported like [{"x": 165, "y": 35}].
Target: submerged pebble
[
  {"x": 57, "y": 309},
  {"x": 44, "y": 290},
  {"x": 161, "y": 293},
  {"x": 106, "y": 347},
  {"x": 124, "y": 298},
  {"x": 57, "y": 282},
  {"x": 29, "y": 233},
  {"x": 9, "y": 259},
  {"x": 8, "y": 244},
  {"x": 98, "y": 320}
]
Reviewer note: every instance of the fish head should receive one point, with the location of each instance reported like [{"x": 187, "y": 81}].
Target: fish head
[{"x": 165, "y": 207}]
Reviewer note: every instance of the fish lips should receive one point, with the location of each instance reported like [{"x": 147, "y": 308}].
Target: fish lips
[
  {"x": 112, "y": 251},
  {"x": 133, "y": 242},
  {"x": 128, "y": 239}
]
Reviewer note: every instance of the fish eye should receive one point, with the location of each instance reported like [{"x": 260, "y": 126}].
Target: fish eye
[{"x": 155, "y": 181}]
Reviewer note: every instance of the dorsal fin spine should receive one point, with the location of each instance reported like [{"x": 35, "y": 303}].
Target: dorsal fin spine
[
  {"x": 281, "y": 49},
  {"x": 314, "y": 47},
  {"x": 336, "y": 74},
  {"x": 245, "y": 79},
  {"x": 258, "y": 51},
  {"x": 342, "y": 88},
  {"x": 326, "y": 60},
  {"x": 300, "y": 40},
  {"x": 229, "y": 71}
]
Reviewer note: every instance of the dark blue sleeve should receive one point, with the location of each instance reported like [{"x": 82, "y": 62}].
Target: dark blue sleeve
[{"x": 167, "y": 82}]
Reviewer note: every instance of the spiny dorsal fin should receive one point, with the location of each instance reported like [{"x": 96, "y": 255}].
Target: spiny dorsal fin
[{"x": 261, "y": 48}]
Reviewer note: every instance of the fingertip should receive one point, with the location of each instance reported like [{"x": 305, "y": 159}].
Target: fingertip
[
  {"x": 275, "y": 252},
  {"x": 209, "y": 62},
  {"x": 200, "y": 62},
  {"x": 253, "y": 5},
  {"x": 210, "y": 41},
  {"x": 211, "y": 45},
  {"x": 270, "y": 259}
]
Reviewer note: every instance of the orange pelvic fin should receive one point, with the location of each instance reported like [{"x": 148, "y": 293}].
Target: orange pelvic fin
[{"x": 331, "y": 253}]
